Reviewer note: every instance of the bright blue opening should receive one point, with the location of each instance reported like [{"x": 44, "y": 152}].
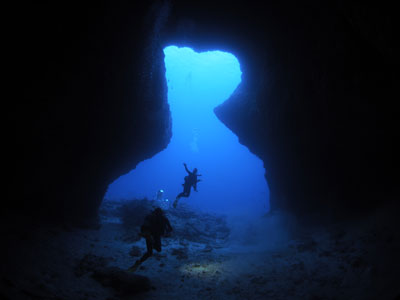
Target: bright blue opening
[{"x": 233, "y": 179}]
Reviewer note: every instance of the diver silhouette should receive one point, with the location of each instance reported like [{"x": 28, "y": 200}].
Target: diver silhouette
[
  {"x": 155, "y": 225},
  {"x": 190, "y": 180}
]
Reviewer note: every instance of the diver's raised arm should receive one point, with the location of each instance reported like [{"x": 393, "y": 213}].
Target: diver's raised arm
[{"x": 186, "y": 168}]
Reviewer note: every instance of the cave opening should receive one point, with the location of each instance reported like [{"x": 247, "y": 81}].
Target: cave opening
[{"x": 232, "y": 180}]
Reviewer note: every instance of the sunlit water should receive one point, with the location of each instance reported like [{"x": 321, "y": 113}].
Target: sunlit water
[{"x": 232, "y": 178}]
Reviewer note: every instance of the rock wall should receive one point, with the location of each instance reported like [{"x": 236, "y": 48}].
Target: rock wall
[
  {"x": 89, "y": 98},
  {"x": 316, "y": 103},
  {"x": 90, "y": 103},
  {"x": 323, "y": 115}
]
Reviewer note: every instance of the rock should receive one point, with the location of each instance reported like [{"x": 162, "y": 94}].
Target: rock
[
  {"x": 297, "y": 266},
  {"x": 358, "y": 262},
  {"x": 89, "y": 263},
  {"x": 123, "y": 282},
  {"x": 183, "y": 242},
  {"x": 133, "y": 212},
  {"x": 325, "y": 253},
  {"x": 337, "y": 234},
  {"x": 135, "y": 251},
  {"x": 199, "y": 227},
  {"x": 259, "y": 280},
  {"x": 159, "y": 255},
  {"x": 307, "y": 245},
  {"x": 131, "y": 236},
  {"x": 207, "y": 248},
  {"x": 180, "y": 253}
]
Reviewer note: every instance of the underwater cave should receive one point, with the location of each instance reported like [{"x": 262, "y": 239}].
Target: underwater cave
[
  {"x": 232, "y": 180},
  {"x": 287, "y": 110}
]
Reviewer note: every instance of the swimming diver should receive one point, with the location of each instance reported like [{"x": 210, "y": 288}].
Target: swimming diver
[
  {"x": 190, "y": 180},
  {"x": 155, "y": 225}
]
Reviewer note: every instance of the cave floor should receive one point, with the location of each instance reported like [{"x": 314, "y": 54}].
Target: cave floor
[{"x": 330, "y": 263}]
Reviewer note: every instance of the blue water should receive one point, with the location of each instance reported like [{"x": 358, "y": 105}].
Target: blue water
[{"x": 232, "y": 178}]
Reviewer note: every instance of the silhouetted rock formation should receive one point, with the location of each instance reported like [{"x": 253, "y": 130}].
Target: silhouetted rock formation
[
  {"x": 124, "y": 283},
  {"x": 90, "y": 104},
  {"x": 315, "y": 103}
]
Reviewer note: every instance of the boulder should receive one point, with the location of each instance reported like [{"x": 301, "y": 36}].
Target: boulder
[{"x": 123, "y": 282}]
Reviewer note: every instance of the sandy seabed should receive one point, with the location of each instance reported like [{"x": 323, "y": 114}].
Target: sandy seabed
[{"x": 207, "y": 257}]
